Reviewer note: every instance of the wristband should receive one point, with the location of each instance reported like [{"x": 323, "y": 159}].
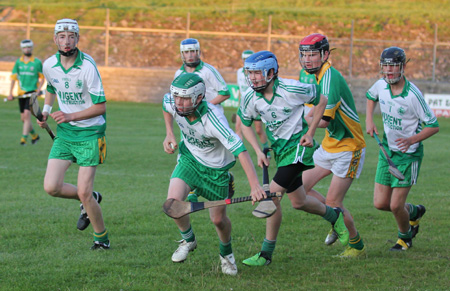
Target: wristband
[{"x": 47, "y": 108}]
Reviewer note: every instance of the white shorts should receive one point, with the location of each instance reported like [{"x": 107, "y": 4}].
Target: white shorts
[{"x": 343, "y": 164}]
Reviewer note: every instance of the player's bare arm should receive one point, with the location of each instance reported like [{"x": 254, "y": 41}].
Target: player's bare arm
[
  {"x": 404, "y": 143},
  {"x": 219, "y": 99},
  {"x": 250, "y": 136},
  {"x": 169, "y": 143},
  {"x": 93, "y": 111},
  {"x": 307, "y": 139},
  {"x": 370, "y": 126},
  {"x": 256, "y": 191}
]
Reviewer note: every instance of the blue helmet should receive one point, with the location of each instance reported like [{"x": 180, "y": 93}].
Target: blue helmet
[
  {"x": 190, "y": 44},
  {"x": 263, "y": 61}
]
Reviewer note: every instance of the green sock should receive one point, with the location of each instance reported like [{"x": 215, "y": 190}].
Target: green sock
[
  {"x": 356, "y": 242},
  {"x": 268, "y": 247},
  {"x": 225, "y": 248},
  {"x": 25, "y": 136},
  {"x": 32, "y": 131},
  {"x": 101, "y": 237},
  {"x": 188, "y": 235},
  {"x": 330, "y": 215},
  {"x": 412, "y": 211},
  {"x": 407, "y": 235}
]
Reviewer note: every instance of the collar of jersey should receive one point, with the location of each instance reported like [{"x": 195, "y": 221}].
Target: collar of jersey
[
  {"x": 30, "y": 60},
  {"x": 199, "y": 112},
  {"x": 404, "y": 92},
  {"x": 78, "y": 62},
  {"x": 198, "y": 68},
  {"x": 276, "y": 83},
  {"x": 322, "y": 72}
]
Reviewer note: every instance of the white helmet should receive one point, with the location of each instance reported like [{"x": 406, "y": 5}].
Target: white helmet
[
  {"x": 66, "y": 24},
  {"x": 190, "y": 44},
  {"x": 26, "y": 43}
]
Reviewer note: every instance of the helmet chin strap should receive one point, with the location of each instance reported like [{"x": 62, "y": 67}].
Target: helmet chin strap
[{"x": 69, "y": 53}]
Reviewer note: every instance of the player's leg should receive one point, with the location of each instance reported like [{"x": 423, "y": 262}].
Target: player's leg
[
  {"x": 186, "y": 175},
  {"x": 54, "y": 179},
  {"x": 311, "y": 177},
  {"x": 222, "y": 223},
  {"x": 22, "y": 107},
  {"x": 401, "y": 214}
]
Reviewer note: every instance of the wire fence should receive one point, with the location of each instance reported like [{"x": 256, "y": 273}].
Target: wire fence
[{"x": 154, "y": 47}]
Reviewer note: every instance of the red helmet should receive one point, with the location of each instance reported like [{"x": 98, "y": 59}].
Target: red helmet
[{"x": 313, "y": 42}]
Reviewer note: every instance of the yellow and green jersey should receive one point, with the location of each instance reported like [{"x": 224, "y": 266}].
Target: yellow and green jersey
[
  {"x": 344, "y": 132},
  {"x": 28, "y": 74}
]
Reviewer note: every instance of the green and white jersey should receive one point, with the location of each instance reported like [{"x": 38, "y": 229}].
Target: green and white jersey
[
  {"x": 241, "y": 81},
  {"x": 77, "y": 89},
  {"x": 284, "y": 114},
  {"x": 215, "y": 84},
  {"x": 208, "y": 139},
  {"x": 27, "y": 73},
  {"x": 344, "y": 132},
  {"x": 402, "y": 114}
]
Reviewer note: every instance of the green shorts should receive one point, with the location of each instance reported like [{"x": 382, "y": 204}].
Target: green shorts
[
  {"x": 409, "y": 168},
  {"x": 297, "y": 154},
  {"x": 212, "y": 184},
  {"x": 85, "y": 153}
]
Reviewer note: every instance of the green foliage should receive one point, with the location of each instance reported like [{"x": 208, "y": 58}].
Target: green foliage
[{"x": 41, "y": 249}]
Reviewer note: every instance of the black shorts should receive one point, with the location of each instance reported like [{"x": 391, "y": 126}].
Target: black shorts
[
  {"x": 290, "y": 177},
  {"x": 24, "y": 103}
]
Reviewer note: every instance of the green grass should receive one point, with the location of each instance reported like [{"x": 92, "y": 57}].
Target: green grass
[{"x": 41, "y": 249}]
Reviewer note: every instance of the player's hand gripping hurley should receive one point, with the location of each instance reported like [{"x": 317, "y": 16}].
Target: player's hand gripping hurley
[
  {"x": 36, "y": 111},
  {"x": 177, "y": 209},
  {"x": 392, "y": 167},
  {"x": 265, "y": 208}
]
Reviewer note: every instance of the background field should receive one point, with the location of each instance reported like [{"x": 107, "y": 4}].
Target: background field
[{"x": 41, "y": 249}]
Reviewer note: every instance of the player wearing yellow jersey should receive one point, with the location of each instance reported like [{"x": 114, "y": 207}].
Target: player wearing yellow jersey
[{"x": 342, "y": 150}]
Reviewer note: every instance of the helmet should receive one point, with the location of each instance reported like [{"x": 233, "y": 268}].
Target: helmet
[
  {"x": 393, "y": 56},
  {"x": 246, "y": 54},
  {"x": 190, "y": 44},
  {"x": 69, "y": 25},
  {"x": 26, "y": 43},
  {"x": 263, "y": 61},
  {"x": 187, "y": 85},
  {"x": 313, "y": 42}
]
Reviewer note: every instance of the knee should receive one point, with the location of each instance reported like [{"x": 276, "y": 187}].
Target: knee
[
  {"x": 333, "y": 202},
  {"x": 381, "y": 206},
  {"x": 52, "y": 189},
  {"x": 298, "y": 204},
  {"x": 395, "y": 208},
  {"x": 220, "y": 221}
]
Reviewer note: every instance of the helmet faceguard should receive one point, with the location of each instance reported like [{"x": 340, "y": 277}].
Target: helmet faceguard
[
  {"x": 187, "y": 85},
  {"x": 65, "y": 26},
  {"x": 190, "y": 44},
  {"x": 315, "y": 42},
  {"x": 27, "y": 43},
  {"x": 263, "y": 62},
  {"x": 390, "y": 59}
]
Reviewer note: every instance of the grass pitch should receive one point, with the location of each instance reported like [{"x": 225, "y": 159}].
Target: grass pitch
[{"x": 41, "y": 249}]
